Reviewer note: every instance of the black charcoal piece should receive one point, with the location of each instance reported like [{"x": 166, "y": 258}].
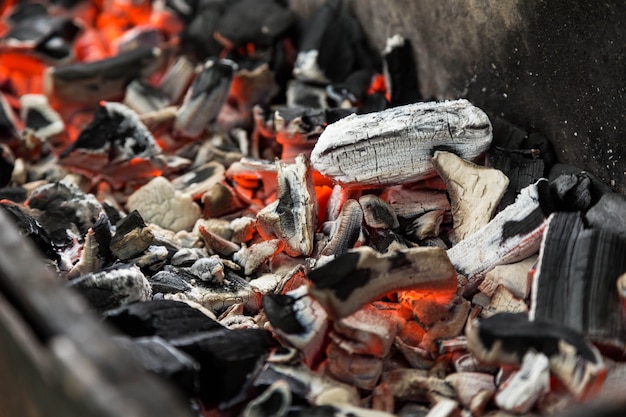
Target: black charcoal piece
[
  {"x": 353, "y": 88},
  {"x": 197, "y": 38},
  {"x": 253, "y": 21},
  {"x": 117, "y": 133},
  {"x": 273, "y": 402},
  {"x": 95, "y": 253},
  {"x": 112, "y": 287},
  {"x": 8, "y": 121},
  {"x": 575, "y": 282},
  {"x": 597, "y": 187},
  {"x": 29, "y": 227},
  {"x": 144, "y": 98},
  {"x": 156, "y": 355},
  {"x": 229, "y": 360},
  {"x": 400, "y": 71},
  {"x": 7, "y": 163},
  {"x": 572, "y": 192},
  {"x": 164, "y": 318},
  {"x": 14, "y": 194},
  {"x": 609, "y": 214},
  {"x": 106, "y": 79},
  {"x": 280, "y": 311},
  {"x": 64, "y": 206},
  {"x": 132, "y": 236},
  {"x": 346, "y": 229},
  {"x": 205, "y": 97}
]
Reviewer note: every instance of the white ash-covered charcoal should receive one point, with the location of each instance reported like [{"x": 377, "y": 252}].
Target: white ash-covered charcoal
[
  {"x": 395, "y": 146},
  {"x": 112, "y": 287},
  {"x": 163, "y": 318},
  {"x": 105, "y": 79},
  {"x": 377, "y": 213},
  {"x": 41, "y": 121},
  {"x": 361, "y": 371},
  {"x": 199, "y": 180},
  {"x": 506, "y": 337},
  {"x": 205, "y": 97},
  {"x": 468, "y": 385},
  {"x": 426, "y": 226},
  {"x": 143, "y": 98},
  {"x": 214, "y": 243},
  {"x": 300, "y": 320},
  {"x": 416, "y": 384},
  {"x": 292, "y": 218},
  {"x": 157, "y": 356},
  {"x": 474, "y": 191},
  {"x": 338, "y": 197},
  {"x": 345, "y": 231},
  {"x": 244, "y": 229},
  {"x": 170, "y": 280},
  {"x": 512, "y": 235},
  {"x": 95, "y": 253},
  {"x": 361, "y": 275},
  {"x": 229, "y": 360},
  {"x": 524, "y": 387},
  {"x": 411, "y": 204},
  {"x": 353, "y": 91},
  {"x": 332, "y": 46},
  {"x": 177, "y": 79},
  {"x": 400, "y": 71},
  {"x": 261, "y": 171},
  {"x": 274, "y": 401},
  {"x": 503, "y": 301},
  {"x": 252, "y": 258},
  {"x": 158, "y": 202},
  {"x": 187, "y": 256},
  {"x": 609, "y": 213},
  {"x": 207, "y": 269},
  {"x": 366, "y": 331},
  {"x": 305, "y": 94},
  {"x": 514, "y": 277},
  {"x": 315, "y": 388},
  {"x": 131, "y": 237},
  {"x": 575, "y": 281}
]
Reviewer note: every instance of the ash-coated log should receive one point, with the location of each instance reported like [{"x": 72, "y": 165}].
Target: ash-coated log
[{"x": 554, "y": 67}]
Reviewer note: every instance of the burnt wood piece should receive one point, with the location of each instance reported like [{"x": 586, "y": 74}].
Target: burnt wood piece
[
  {"x": 106, "y": 79},
  {"x": 229, "y": 360},
  {"x": 164, "y": 318},
  {"x": 400, "y": 71},
  {"x": 156, "y": 355},
  {"x": 45, "y": 330},
  {"x": 395, "y": 146},
  {"x": 132, "y": 236},
  {"x": 575, "y": 282},
  {"x": 360, "y": 275},
  {"x": 609, "y": 214},
  {"x": 505, "y": 338}
]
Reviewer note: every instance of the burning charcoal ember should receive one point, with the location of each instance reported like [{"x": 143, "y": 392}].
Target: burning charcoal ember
[
  {"x": 29, "y": 227},
  {"x": 159, "y": 202},
  {"x": 64, "y": 206},
  {"x": 415, "y": 385},
  {"x": 292, "y": 218},
  {"x": 131, "y": 238},
  {"x": 243, "y": 229},
  {"x": 575, "y": 281},
  {"x": 114, "y": 286},
  {"x": 95, "y": 253},
  {"x": 377, "y": 213},
  {"x": 352, "y": 91},
  {"x": 522, "y": 389},
  {"x": 345, "y": 231},
  {"x": 361, "y": 275},
  {"x": 159, "y": 357},
  {"x": 331, "y": 33},
  {"x": 275, "y": 401},
  {"x": 503, "y": 301},
  {"x": 609, "y": 213},
  {"x": 366, "y": 331},
  {"x": 205, "y": 97},
  {"x": 512, "y": 235},
  {"x": 513, "y": 277},
  {"x": 362, "y": 371},
  {"x": 41, "y": 121},
  {"x": 395, "y": 146},
  {"x": 450, "y": 327},
  {"x": 229, "y": 360},
  {"x": 522, "y": 168},
  {"x": 299, "y": 320},
  {"x": 252, "y": 258},
  {"x": 164, "y": 318},
  {"x": 199, "y": 180},
  {"x": 144, "y": 98},
  {"x": 254, "y": 174},
  {"x": 220, "y": 200},
  {"x": 303, "y": 383},
  {"x": 400, "y": 71},
  {"x": 505, "y": 338},
  {"x": 106, "y": 79},
  {"x": 467, "y": 385},
  {"x": 409, "y": 204},
  {"x": 474, "y": 190},
  {"x": 217, "y": 244}
]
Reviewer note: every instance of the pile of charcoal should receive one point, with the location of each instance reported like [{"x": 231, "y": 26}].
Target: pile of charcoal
[{"x": 276, "y": 221}]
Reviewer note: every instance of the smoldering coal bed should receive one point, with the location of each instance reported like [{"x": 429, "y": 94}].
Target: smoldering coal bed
[{"x": 275, "y": 222}]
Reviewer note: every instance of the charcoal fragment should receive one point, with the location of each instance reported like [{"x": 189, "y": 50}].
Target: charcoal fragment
[
  {"x": 163, "y": 318},
  {"x": 573, "y": 191},
  {"x": 273, "y": 402},
  {"x": 169, "y": 281},
  {"x": 400, "y": 71},
  {"x": 132, "y": 236},
  {"x": 609, "y": 214}
]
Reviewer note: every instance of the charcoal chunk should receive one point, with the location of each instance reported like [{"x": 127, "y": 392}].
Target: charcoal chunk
[{"x": 609, "y": 214}]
